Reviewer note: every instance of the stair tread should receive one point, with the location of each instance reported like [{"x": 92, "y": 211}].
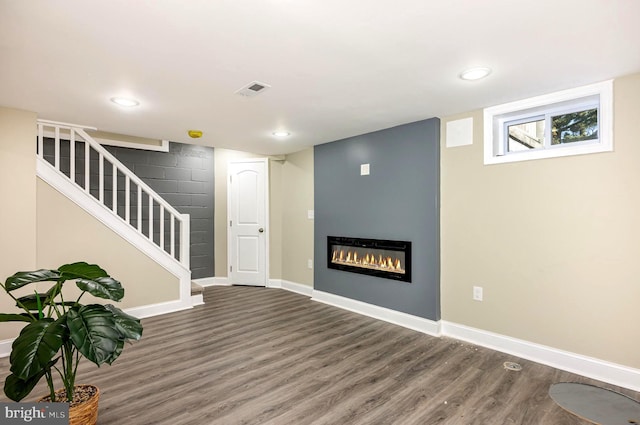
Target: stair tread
[{"x": 196, "y": 289}]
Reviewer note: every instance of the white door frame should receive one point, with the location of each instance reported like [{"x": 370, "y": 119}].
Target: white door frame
[{"x": 266, "y": 212}]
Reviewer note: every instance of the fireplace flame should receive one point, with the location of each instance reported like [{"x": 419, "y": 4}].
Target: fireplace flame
[{"x": 367, "y": 260}]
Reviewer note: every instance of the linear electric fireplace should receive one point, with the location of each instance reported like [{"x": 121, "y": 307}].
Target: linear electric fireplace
[{"x": 375, "y": 257}]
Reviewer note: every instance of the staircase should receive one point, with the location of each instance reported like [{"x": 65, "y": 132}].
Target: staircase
[{"x": 72, "y": 162}]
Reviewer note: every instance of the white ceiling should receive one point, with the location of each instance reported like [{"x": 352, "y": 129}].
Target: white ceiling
[{"x": 337, "y": 68}]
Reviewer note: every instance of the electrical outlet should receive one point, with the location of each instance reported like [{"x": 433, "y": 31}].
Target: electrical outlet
[
  {"x": 477, "y": 293},
  {"x": 310, "y": 264}
]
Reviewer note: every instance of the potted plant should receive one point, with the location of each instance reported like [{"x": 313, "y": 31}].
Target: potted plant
[{"x": 60, "y": 331}]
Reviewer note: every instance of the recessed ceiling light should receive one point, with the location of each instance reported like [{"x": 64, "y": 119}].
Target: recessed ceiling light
[
  {"x": 475, "y": 73},
  {"x": 281, "y": 133},
  {"x": 123, "y": 101}
]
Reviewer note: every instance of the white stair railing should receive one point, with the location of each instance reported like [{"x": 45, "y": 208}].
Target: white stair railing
[{"x": 83, "y": 161}]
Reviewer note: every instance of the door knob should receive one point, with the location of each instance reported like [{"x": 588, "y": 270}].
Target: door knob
[{"x": 261, "y": 230}]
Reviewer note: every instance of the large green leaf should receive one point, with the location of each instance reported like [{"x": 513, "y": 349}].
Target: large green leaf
[
  {"x": 116, "y": 353},
  {"x": 128, "y": 326},
  {"x": 30, "y": 301},
  {"x": 102, "y": 287},
  {"x": 81, "y": 270},
  {"x": 93, "y": 331},
  {"x": 21, "y": 279},
  {"x": 36, "y": 345},
  {"x": 4, "y": 317},
  {"x": 17, "y": 389}
]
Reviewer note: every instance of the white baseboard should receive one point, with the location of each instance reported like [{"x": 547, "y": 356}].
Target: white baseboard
[
  {"x": 397, "y": 318},
  {"x": 589, "y": 367},
  {"x": 298, "y": 288},
  {"x": 274, "y": 283},
  {"x": 197, "y": 299},
  {"x": 5, "y": 347},
  {"x": 601, "y": 370},
  {"x": 139, "y": 312},
  {"x": 158, "y": 309},
  {"x": 212, "y": 281}
]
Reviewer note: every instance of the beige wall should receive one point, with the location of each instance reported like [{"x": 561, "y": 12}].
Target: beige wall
[
  {"x": 290, "y": 232},
  {"x": 297, "y": 229},
  {"x": 553, "y": 242},
  {"x": 18, "y": 210},
  {"x": 67, "y": 233}
]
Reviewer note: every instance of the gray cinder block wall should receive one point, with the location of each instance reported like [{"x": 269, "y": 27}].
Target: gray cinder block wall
[{"x": 184, "y": 177}]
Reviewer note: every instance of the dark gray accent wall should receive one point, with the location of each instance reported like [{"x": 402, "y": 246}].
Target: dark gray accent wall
[
  {"x": 184, "y": 177},
  {"x": 399, "y": 200}
]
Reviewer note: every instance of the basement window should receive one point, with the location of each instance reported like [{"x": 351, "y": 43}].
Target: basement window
[{"x": 570, "y": 122}]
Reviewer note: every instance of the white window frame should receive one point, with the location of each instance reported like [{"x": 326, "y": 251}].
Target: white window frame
[{"x": 599, "y": 95}]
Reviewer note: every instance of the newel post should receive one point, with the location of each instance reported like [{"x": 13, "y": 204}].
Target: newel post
[{"x": 185, "y": 239}]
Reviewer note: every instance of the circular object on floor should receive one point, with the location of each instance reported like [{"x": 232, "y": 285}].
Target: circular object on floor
[
  {"x": 512, "y": 366},
  {"x": 595, "y": 404}
]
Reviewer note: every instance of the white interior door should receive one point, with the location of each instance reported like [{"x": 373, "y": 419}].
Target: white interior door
[{"x": 247, "y": 213}]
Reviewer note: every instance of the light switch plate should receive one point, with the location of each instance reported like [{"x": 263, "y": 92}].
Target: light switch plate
[
  {"x": 310, "y": 214},
  {"x": 364, "y": 169}
]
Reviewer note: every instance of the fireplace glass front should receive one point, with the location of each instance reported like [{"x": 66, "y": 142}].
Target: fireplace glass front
[{"x": 376, "y": 257}]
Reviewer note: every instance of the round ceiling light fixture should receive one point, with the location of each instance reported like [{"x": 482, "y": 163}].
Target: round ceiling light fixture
[
  {"x": 281, "y": 133},
  {"x": 124, "y": 101},
  {"x": 473, "y": 74}
]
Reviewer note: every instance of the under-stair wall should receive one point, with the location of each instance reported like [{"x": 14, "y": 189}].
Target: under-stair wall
[{"x": 68, "y": 233}]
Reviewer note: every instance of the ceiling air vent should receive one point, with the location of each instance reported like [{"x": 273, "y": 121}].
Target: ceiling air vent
[{"x": 252, "y": 89}]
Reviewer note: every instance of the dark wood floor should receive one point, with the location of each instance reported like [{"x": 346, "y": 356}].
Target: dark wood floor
[{"x": 267, "y": 356}]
